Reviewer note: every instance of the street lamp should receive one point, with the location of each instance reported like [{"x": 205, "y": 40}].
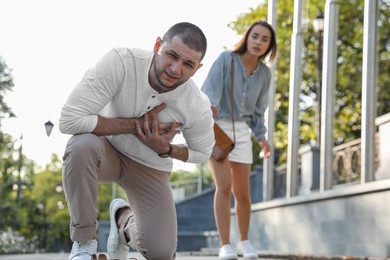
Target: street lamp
[
  {"x": 318, "y": 25},
  {"x": 49, "y": 126},
  {"x": 20, "y": 165}
]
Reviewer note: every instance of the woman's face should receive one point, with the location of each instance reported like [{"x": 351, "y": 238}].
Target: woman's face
[{"x": 259, "y": 40}]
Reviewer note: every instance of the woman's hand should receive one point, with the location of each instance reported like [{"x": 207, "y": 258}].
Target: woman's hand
[
  {"x": 214, "y": 109},
  {"x": 266, "y": 148}
]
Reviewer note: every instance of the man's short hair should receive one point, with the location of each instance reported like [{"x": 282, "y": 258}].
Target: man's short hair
[{"x": 190, "y": 34}]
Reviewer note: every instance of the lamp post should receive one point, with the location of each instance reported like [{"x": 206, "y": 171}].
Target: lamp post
[
  {"x": 20, "y": 165},
  {"x": 49, "y": 126},
  {"x": 318, "y": 24}
]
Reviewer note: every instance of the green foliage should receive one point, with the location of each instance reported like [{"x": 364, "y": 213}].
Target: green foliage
[
  {"x": 40, "y": 215},
  {"x": 384, "y": 57},
  {"x": 51, "y": 217},
  {"x": 12, "y": 242},
  {"x": 6, "y": 84},
  {"x": 17, "y": 209},
  {"x": 8, "y": 164},
  {"x": 190, "y": 180},
  {"x": 107, "y": 191}
]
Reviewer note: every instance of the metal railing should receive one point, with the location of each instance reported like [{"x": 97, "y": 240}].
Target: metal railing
[
  {"x": 347, "y": 162},
  {"x": 346, "y": 167},
  {"x": 185, "y": 188}
]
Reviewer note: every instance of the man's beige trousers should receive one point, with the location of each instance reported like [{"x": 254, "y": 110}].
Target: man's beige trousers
[{"x": 90, "y": 159}]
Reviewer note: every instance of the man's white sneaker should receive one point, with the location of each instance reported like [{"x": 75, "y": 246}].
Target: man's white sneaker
[
  {"x": 226, "y": 253},
  {"x": 117, "y": 247},
  {"x": 247, "y": 250},
  {"x": 83, "y": 250}
]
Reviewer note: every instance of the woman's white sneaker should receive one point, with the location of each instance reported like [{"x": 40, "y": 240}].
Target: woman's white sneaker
[
  {"x": 226, "y": 253},
  {"x": 83, "y": 250},
  {"x": 247, "y": 250}
]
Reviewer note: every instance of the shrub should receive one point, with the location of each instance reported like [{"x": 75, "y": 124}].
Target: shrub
[{"x": 12, "y": 242}]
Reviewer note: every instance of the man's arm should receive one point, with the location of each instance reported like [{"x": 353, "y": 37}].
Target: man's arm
[
  {"x": 180, "y": 152},
  {"x": 114, "y": 126},
  {"x": 199, "y": 136},
  {"x": 148, "y": 129}
]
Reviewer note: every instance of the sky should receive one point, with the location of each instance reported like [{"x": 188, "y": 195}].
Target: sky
[{"x": 49, "y": 44}]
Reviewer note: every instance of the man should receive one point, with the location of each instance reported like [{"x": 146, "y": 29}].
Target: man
[{"x": 123, "y": 116}]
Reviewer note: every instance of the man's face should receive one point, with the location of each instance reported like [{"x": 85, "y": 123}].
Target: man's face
[{"x": 173, "y": 64}]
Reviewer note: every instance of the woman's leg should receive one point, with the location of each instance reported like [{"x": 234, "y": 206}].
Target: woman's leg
[
  {"x": 223, "y": 188},
  {"x": 242, "y": 196}
]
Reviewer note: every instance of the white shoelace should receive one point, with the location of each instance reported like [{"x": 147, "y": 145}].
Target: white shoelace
[{"x": 86, "y": 247}]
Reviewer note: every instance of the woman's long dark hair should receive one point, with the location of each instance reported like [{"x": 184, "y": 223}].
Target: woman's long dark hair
[{"x": 241, "y": 46}]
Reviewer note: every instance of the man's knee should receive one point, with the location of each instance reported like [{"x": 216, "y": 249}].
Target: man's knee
[
  {"x": 159, "y": 252},
  {"x": 82, "y": 146}
]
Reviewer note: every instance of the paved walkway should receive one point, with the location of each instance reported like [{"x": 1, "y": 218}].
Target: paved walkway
[
  {"x": 64, "y": 256},
  {"x": 187, "y": 256}
]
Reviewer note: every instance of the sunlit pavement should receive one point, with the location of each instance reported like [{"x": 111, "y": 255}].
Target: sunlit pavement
[
  {"x": 64, "y": 256},
  {"x": 188, "y": 256}
]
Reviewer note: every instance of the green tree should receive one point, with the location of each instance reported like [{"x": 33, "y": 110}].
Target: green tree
[
  {"x": 49, "y": 210},
  {"x": 6, "y": 84},
  {"x": 6, "y": 142},
  {"x": 349, "y": 69},
  {"x": 49, "y": 219},
  {"x": 7, "y": 181},
  {"x": 106, "y": 193},
  {"x": 190, "y": 180},
  {"x": 384, "y": 57},
  {"x": 15, "y": 202},
  {"x": 8, "y": 163}
]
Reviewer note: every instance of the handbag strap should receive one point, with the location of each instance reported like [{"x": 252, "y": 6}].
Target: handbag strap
[{"x": 232, "y": 72}]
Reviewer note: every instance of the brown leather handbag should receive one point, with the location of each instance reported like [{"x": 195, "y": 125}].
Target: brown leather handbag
[{"x": 223, "y": 143}]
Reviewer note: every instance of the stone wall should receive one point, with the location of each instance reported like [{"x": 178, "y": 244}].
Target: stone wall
[{"x": 349, "y": 221}]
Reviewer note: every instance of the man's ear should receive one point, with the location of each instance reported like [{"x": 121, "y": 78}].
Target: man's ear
[
  {"x": 199, "y": 66},
  {"x": 157, "y": 45}
]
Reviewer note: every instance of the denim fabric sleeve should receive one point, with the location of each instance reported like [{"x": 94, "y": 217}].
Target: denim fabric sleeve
[
  {"x": 213, "y": 84},
  {"x": 250, "y": 92},
  {"x": 257, "y": 122}
]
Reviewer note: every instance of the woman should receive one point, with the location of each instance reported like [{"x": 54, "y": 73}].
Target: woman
[{"x": 251, "y": 87}]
